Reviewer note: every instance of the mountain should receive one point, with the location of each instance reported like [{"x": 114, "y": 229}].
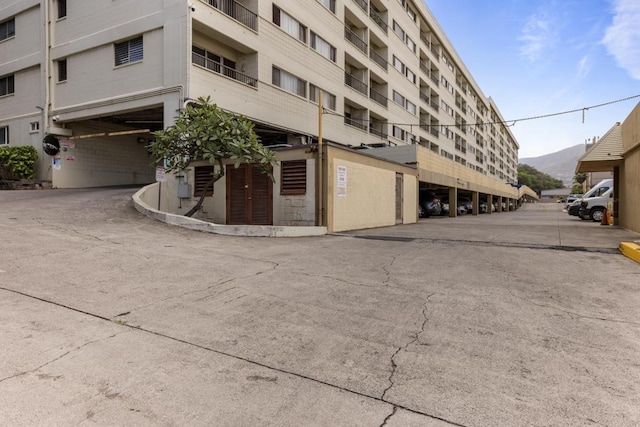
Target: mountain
[{"x": 560, "y": 165}]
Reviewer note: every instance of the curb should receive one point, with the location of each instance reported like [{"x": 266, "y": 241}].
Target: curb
[
  {"x": 630, "y": 250},
  {"x": 226, "y": 230}
]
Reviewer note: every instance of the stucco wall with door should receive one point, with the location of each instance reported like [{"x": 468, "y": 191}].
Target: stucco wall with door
[{"x": 361, "y": 191}]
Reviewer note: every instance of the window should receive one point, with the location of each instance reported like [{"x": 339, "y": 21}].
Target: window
[
  {"x": 129, "y": 51},
  {"x": 328, "y": 100},
  {"x": 7, "y": 29},
  {"x": 62, "y": 70},
  {"x": 398, "y": 133},
  {"x": 398, "y": 30},
  {"x": 6, "y": 85},
  {"x": 329, "y": 4},
  {"x": 288, "y": 82},
  {"x": 4, "y": 135},
  {"x": 289, "y": 24},
  {"x": 411, "y": 107},
  {"x": 62, "y": 8},
  {"x": 322, "y": 47},
  {"x": 202, "y": 175},
  {"x": 411, "y": 44},
  {"x": 293, "y": 177},
  {"x": 410, "y": 75},
  {"x": 398, "y": 99},
  {"x": 34, "y": 127},
  {"x": 397, "y": 64}
]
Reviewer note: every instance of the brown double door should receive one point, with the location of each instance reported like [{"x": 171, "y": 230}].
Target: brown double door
[{"x": 249, "y": 196}]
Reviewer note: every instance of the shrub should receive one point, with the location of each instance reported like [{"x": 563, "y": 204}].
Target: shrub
[{"x": 18, "y": 162}]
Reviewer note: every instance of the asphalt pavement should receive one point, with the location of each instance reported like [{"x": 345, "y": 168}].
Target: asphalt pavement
[{"x": 110, "y": 318}]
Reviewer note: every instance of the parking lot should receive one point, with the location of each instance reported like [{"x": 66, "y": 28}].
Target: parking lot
[{"x": 529, "y": 317}]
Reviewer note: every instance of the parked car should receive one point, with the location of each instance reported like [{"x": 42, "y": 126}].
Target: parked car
[
  {"x": 466, "y": 203},
  {"x": 483, "y": 207},
  {"x": 430, "y": 203},
  {"x": 444, "y": 204},
  {"x": 574, "y": 207}
]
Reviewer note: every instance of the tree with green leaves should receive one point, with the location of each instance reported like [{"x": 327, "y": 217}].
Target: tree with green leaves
[
  {"x": 536, "y": 180},
  {"x": 203, "y": 131}
]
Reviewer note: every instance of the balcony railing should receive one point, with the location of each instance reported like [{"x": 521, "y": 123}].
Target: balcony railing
[
  {"x": 435, "y": 52},
  {"x": 424, "y": 97},
  {"x": 355, "y": 40},
  {"x": 355, "y": 83},
  {"x": 378, "y": 20},
  {"x": 377, "y": 97},
  {"x": 362, "y": 3},
  {"x": 377, "y": 58},
  {"x": 237, "y": 11},
  {"x": 434, "y": 79},
  {"x": 424, "y": 69},
  {"x": 434, "y": 131},
  {"x": 379, "y": 132},
  {"x": 434, "y": 105},
  {"x": 218, "y": 68},
  {"x": 355, "y": 123}
]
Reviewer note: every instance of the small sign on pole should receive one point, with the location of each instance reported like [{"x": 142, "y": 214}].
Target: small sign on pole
[{"x": 160, "y": 176}]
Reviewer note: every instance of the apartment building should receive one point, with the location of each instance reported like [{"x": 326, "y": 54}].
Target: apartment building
[{"x": 95, "y": 78}]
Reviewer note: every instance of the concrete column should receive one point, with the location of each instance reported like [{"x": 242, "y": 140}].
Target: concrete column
[
  {"x": 489, "y": 203},
  {"x": 453, "y": 202},
  {"x": 499, "y": 204},
  {"x": 475, "y": 199}
]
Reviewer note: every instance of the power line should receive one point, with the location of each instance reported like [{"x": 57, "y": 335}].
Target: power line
[{"x": 503, "y": 122}]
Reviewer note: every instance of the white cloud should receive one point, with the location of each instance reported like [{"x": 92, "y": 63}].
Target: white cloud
[
  {"x": 584, "y": 66},
  {"x": 622, "y": 37},
  {"x": 538, "y": 35}
]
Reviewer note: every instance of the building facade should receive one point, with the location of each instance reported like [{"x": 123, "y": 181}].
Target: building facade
[{"x": 94, "y": 79}]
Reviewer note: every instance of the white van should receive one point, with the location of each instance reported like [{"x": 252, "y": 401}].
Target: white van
[{"x": 594, "y": 202}]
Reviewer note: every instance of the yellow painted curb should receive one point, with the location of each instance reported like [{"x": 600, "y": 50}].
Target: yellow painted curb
[{"x": 630, "y": 250}]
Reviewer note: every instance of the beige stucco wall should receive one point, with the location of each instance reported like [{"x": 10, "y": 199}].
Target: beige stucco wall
[
  {"x": 369, "y": 197},
  {"x": 629, "y": 191}
]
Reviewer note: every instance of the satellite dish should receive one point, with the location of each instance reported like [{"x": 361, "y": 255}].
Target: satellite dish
[{"x": 51, "y": 145}]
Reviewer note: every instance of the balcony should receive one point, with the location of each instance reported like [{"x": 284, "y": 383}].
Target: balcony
[
  {"x": 434, "y": 105},
  {"x": 379, "y": 132},
  {"x": 434, "y": 131},
  {"x": 236, "y": 11},
  {"x": 362, "y": 3},
  {"x": 375, "y": 17},
  {"x": 355, "y": 40},
  {"x": 424, "y": 97},
  {"x": 377, "y": 97},
  {"x": 218, "y": 68},
  {"x": 355, "y": 123},
  {"x": 377, "y": 58},
  {"x": 355, "y": 83},
  {"x": 434, "y": 79}
]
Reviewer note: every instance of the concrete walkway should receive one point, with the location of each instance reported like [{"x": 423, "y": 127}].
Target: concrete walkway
[{"x": 110, "y": 318}]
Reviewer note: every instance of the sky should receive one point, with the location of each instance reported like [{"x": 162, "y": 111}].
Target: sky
[{"x": 539, "y": 57}]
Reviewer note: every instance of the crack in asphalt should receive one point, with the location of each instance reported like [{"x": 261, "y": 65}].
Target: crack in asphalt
[
  {"x": 65, "y": 354},
  {"x": 394, "y": 365},
  {"x": 572, "y": 314},
  {"x": 241, "y": 358},
  {"x": 386, "y": 420},
  {"x": 73, "y": 230},
  {"x": 386, "y": 269},
  {"x": 613, "y": 251}
]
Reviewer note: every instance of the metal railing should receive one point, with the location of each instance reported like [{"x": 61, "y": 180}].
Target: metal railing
[
  {"x": 362, "y": 3},
  {"x": 375, "y": 17},
  {"x": 236, "y": 11},
  {"x": 377, "y": 97},
  {"x": 377, "y": 58},
  {"x": 355, "y": 83},
  {"x": 218, "y": 68},
  {"x": 434, "y": 131},
  {"x": 434, "y": 105},
  {"x": 434, "y": 79},
  {"x": 355, "y": 123},
  {"x": 355, "y": 40},
  {"x": 379, "y": 132}
]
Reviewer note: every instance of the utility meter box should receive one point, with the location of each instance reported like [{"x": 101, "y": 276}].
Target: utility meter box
[{"x": 184, "y": 190}]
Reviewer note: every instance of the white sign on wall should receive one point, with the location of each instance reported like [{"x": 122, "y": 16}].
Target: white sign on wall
[
  {"x": 341, "y": 185},
  {"x": 160, "y": 174}
]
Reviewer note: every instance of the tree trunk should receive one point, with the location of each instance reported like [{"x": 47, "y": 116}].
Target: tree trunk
[{"x": 216, "y": 176}]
